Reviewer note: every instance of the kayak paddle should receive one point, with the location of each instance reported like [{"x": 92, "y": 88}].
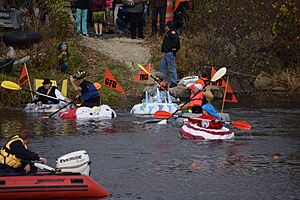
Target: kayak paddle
[
  {"x": 161, "y": 114},
  {"x": 143, "y": 68},
  {"x": 14, "y": 86},
  {"x": 48, "y": 116},
  {"x": 219, "y": 74},
  {"x": 239, "y": 124}
]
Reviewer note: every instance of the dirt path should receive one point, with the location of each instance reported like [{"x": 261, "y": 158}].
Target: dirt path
[{"x": 124, "y": 50}]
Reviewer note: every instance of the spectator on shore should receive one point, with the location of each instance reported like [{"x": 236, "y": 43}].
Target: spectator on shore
[
  {"x": 158, "y": 8},
  {"x": 122, "y": 19},
  {"x": 63, "y": 57},
  {"x": 81, "y": 16},
  {"x": 98, "y": 12},
  {"x": 135, "y": 10},
  {"x": 170, "y": 47}
]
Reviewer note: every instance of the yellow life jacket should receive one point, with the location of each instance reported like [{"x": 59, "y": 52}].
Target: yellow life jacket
[{"x": 9, "y": 159}]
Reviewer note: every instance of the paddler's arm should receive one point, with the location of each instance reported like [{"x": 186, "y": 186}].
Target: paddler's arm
[{"x": 76, "y": 87}]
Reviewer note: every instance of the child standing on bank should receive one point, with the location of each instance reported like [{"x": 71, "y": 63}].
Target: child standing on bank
[
  {"x": 98, "y": 12},
  {"x": 63, "y": 57}
]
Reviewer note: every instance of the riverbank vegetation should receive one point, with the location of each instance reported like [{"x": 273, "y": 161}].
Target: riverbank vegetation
[
  {"x": 247, "y": 38},
  {"x": 54, "y": 21}
]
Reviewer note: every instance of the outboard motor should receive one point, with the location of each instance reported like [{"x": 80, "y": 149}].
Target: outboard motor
[{"x": 75, "y": 162}]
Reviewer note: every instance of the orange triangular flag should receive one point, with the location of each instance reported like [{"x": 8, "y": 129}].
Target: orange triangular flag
[
  {"x": 143, "y": 76},
  {"x": 110, "y": 81},
  {"x": 220, "y": 82},
  {"x": 230, "y": 97},
  {"x": 23, "y": 76}
]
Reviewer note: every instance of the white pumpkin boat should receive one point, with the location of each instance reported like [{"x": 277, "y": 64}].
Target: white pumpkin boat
[{"x": 97, "y": 112}]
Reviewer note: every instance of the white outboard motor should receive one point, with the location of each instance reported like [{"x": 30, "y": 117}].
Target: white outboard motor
[{"x": 76, "y": 162}]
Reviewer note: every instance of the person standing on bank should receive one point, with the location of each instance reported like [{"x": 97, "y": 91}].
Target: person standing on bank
[
  {"x": 170, "y": 47},
  {"x": 135, "y": 9},
  {"x": 88, "y": 92},
  {"x": 15, "y": 157},
  {"x": 98, "y": 12},
  {"x": 82, "y": 7},
  {"x": 158, "y": 8}
]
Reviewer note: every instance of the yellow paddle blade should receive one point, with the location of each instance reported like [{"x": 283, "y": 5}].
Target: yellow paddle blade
[
  {"x": 143, "y": 68},
  {"x": 10, "y": 85}
]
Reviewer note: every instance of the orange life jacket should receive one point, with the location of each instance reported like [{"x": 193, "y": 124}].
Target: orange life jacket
[
  {"x": 202, "y": 81},
  {"x": 197, "y": 100}
]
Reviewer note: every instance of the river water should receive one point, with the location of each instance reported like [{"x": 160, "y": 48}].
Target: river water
[{"x": 133, "y": 160}]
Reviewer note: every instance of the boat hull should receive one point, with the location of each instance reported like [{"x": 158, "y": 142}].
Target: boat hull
[
  {"x": 46, "y": 108},
  {"x": 97, "y": 112},
  {"x": 194, "y": 132},
  {"x": 50, "y": 186},
  {"x": 151, "y": 108}
]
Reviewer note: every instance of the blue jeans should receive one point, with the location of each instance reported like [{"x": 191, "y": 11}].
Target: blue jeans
[
  {"x": 122, "y": 24},
  {"x": 64, "y": 66},
  {"x": 81, "y": 21},
  {"x": 169, "y": 62}
]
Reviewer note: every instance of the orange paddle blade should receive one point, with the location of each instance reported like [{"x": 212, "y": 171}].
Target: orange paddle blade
[
  {"x": 161, "y": 114},
  {"x": 241, "y": 125}
]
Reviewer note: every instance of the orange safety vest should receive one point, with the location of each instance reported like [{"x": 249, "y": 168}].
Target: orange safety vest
[
  {"x": 197, "y": 100},
  {"x": 202, "y": 81},
  {"x": 169, "y": 11}
]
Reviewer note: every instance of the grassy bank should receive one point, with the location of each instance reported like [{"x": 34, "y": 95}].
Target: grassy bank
[{"x": 46, "y": 66}]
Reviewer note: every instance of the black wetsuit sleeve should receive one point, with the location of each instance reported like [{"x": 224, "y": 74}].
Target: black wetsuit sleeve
[{"x": 19, "y": 150}]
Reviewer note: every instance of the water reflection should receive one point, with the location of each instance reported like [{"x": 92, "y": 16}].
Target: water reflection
[{"x": 149, "y": 161}]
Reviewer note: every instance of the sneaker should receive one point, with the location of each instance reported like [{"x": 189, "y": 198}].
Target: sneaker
[
  {"x": 96, "y": 36},
  {"x": 100, "y": 37},
  {"x": 141, "y": 37},
  {"x": 153, "y": 33}
]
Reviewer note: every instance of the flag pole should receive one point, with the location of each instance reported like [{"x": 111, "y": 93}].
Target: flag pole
[
  {"x": 29, "y": 81},
  {"x": 224, "y": 97}
]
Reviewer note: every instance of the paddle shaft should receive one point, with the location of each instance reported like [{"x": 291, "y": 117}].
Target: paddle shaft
[
  {"x": 44, "y": 95},
  {"x": 62, "y": 107},
  {"x": 190, "y": 99},
  {"x": 164, "y": 89},
  {"x": 217, "y": 76}
]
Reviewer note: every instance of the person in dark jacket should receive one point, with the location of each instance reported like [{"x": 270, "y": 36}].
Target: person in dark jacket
[
  {"x": 48, "y": 90},
  {"x": 122, "y": 19},
  {"x": 88, "y": 92},
  {"x": 82, "y": 7},
  {"x": 135, "y": 9},
  {"x": 158, "y": 8},
  {"x": 170, "y": 47},
  {"x": 15, "y": 157}
]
